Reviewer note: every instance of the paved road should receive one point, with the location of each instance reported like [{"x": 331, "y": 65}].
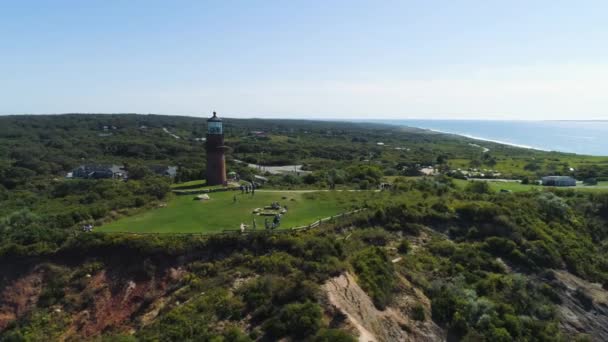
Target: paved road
[{"x": 275, "y": 170}]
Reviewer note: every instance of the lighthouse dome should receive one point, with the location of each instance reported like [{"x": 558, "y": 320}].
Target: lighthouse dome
[
  {"x": 214, "y": 118},
  {"x": 214, "y": 125}
]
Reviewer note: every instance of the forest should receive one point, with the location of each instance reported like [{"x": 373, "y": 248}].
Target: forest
[{"x": 433, "y": 260}]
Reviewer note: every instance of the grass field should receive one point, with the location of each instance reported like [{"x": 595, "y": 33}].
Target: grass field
[
  {"x": 518, "y": 187},
  {"x": 183, "y": 214}
]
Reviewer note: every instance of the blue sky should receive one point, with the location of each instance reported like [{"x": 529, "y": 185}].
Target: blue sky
[{"x": 312, "y": 59}]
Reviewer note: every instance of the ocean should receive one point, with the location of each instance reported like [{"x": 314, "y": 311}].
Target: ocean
[{"x": 581, "y": 137}]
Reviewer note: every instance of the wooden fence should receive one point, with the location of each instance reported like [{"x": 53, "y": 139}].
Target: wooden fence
[{"x": 204, "y": 191}]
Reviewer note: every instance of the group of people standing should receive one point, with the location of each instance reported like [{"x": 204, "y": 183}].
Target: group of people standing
[{"x": 249, "y": 188}]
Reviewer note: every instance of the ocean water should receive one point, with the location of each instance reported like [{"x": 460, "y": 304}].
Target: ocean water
[{"x": 581, "y": 137}]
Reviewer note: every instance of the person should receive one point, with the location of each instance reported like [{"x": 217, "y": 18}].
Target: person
[
  {"x": 242, "y": 189},
  {"x": 234, "y": 199},
  {"x": 255, "y": 225}
]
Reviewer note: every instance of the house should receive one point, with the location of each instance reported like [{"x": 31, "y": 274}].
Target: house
[
  {"x": 98, "y": 172},
  {"x": 169, "y": 171},
  {"x": 558, "y": 181},
  {"x": 258, "y": 134}
]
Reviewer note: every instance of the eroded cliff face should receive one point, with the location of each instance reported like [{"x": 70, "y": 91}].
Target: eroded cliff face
[
  {"x": 395, "y": 323},
  {"x": 93, "y": 303},
  {"x": 117, "y": 301},
  {"x": 584, "y": 307},
  {"x": 19, "y": 296}
]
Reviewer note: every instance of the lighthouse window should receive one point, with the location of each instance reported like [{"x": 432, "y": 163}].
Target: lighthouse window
[{"x": 215, "y": 127}]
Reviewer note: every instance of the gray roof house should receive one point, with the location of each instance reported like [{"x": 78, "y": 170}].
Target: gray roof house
[
  {"x": 169, "y": 171},
  {"x": 558, "y": 181},
  {"x": 98, "y": 171}
]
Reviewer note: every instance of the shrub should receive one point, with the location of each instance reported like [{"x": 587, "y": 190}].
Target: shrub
[
  {"x": 478, "y": 187},
  {"x": 299, "y": 320},
  {"x": 376, "y": 275},
  {"x": 418, "y": 312},
  {"x": 333, "y": 335},
  {"x": 404, "y": 247}
]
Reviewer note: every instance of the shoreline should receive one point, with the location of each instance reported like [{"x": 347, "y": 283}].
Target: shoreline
[
  {"x": 584, "y": 140},
  {"x": 490, "y": 140},
  {"x": 401, "y": 124}
]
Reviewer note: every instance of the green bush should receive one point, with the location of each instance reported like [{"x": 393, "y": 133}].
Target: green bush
[
  {"x": 300, "y": 320},
  {"x": 376, "y": 275},
  {"x": 333, "y": 335},
  {"x": 479, "y": 187},
  {"x": 404, "y": 247},
  {"x": 418, "y": 313}
]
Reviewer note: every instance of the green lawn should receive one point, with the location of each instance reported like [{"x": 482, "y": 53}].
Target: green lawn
[
  {"x": 183, "y": 214},
  {"x": 518, "y": 187}
]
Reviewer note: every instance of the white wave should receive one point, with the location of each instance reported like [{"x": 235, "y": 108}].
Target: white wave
[{"x": 489, "y": 140}]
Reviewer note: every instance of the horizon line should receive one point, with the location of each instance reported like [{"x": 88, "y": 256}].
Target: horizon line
[{"x": 311, "y": 118}]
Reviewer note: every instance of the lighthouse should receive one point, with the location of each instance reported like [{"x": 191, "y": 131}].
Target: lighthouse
[{"x": 216, "y": 160}]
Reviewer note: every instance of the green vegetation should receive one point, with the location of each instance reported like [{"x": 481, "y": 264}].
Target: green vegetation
[
  {"x": 497, "y": 186},
  {"x": 376, "y": 275},
  {"x": 486, "y": 260},
  {"x": 183, "y": 214}
]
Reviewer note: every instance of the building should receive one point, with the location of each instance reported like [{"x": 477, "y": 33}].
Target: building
[
  {"x": 93, "y": 171},
  {"x": 98, "y": 172},
  {"x": 168, "y": 171},
  {"x": 558, "y": 181},
  {"x": 216, "y": 160}
]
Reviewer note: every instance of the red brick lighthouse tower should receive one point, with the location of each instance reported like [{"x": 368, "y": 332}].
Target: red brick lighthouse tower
[{"x": 216, "y": 161}]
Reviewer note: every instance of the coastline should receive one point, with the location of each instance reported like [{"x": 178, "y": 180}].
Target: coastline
[
  {"x": 550, "y": 136},
  {"x": 401, "y": 124},
  {"x": 488, "y": 140}
]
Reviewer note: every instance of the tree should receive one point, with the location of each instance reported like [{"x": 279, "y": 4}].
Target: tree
[
  {"x": 590, "y": 181},
  {"x": 479, "y": 187},
  {"x": 138, "y": 171}
]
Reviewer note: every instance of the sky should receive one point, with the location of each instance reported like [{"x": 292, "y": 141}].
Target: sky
[{"x": 526, "y": 60}]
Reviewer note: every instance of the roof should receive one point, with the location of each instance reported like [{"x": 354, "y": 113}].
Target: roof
[
  {"x": 100, "y": 167},
  {"x": 172, "y": 171},
  {"x": 214, "y": 118},
  {"x": 558, "y": 178}
]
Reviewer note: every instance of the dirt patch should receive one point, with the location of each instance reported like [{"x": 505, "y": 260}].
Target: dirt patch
[
  {"x": 391, "y": 324},
  {"x": 120, "y": 304},
  {"x": 111, "y": 305}
]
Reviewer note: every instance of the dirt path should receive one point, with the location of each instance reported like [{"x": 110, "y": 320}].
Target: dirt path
[
  {"x": 276, "y": 170},
  {"x": 171, "y": 134}
]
